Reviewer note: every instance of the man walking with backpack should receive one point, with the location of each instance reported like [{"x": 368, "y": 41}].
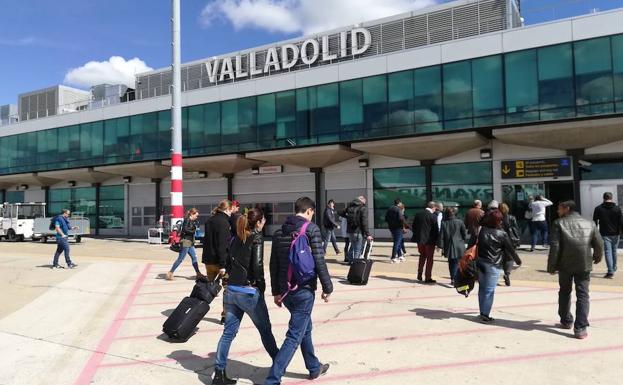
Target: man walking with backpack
[
  {"x": 296, "y": 264},
  {"x": 357, "y": 226},
  {"x": 61, "y": 227},
  {"x": 609, "y": 218}
]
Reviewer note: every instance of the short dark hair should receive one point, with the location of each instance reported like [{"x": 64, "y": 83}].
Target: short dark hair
[
  {"x": 330, "y": 201},
  {"x": 568, "y": 205},
  {"x": 397, "y": 201},
  {"x": 607, "y": 196},
  {"x": 303, "y": 204}
]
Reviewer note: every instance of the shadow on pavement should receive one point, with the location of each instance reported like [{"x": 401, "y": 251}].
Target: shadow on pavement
[
  {"x": 49, "y": 266},
  {"x": 204, "y": 367},
  {"x": 530, "y": 325}
]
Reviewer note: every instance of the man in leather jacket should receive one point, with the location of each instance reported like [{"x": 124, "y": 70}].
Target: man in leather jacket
[
  {"x": 575, "y": 246},
  {"x": 299, "y": 302}
]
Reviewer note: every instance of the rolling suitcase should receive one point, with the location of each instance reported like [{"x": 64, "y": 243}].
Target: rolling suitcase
[
  {"x": 205, "y": 290},
  {"x": 182, "y": 322},
  {"x": 360, "y": 269}
]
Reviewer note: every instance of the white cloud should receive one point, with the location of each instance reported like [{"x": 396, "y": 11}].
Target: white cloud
[
  {"x": 305, "y": 16},
  {"x": 115, "y": 70},
  {"x": 20, "y": 42}
]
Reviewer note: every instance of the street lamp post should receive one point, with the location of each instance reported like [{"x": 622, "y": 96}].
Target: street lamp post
[{"x": 177, "y": 196}]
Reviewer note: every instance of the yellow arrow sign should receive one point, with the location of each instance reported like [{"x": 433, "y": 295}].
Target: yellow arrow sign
[{"x": 506, "y": 169}]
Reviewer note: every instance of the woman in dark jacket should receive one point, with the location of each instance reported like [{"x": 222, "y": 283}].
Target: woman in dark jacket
[
  {"x": 509, "y": 224},
  {"x": 187, "y": 243},
  {"x": 245, "y": 291},
  {"x": 493, "y": 245},
  {"x": 452, "y": 240}
]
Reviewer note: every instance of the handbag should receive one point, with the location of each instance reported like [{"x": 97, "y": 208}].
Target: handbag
[
  {"x": 206, "y": 290},
  {"x": 468, "y": 272}
]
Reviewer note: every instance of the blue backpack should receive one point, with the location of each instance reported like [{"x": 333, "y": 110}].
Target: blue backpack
[{"x": 302, "y": 267}]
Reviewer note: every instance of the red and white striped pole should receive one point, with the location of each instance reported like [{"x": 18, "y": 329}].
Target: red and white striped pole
[{"x": 177, "y": 196}]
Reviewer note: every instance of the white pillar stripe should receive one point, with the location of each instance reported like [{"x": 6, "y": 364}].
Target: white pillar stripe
[
  {"x": 177, "y": 199},
  {"x": 176, "y": 173}
]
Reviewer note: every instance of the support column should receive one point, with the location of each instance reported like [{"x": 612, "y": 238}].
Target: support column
[
  {"x": 157, "y": 182},
  {"x": 318, "y": 194},
  {"x": 576, "y": 156},
  {"x": 230, "y": 186},
  {"x": 428, "y": 171},
  {"x": 177, "y": 200},
  {"x": 97, "y": 207},
  {"x": 3, "y": 194}
]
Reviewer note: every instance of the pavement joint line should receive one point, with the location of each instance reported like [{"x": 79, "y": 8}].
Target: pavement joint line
[
  {"x": 456, "y": 365},
  {"x": 92, "y": 365},
  {"x": 494, "y": 329}
]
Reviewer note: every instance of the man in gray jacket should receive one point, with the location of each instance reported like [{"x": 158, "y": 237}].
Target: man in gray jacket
[{"x": 575, "y": 246}]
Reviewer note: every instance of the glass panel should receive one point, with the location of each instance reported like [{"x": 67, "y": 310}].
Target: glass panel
[
  {"x": 196, "y": 137},
  {"x": 522, "y": 95},
  {"x": 398, "y": 177},
  {"x": 488, "y": 90},
  {"x": 266, "y": 118},
  {"x": 401, "y": 107},
  {"x": 427, "y": 100},
  {"x": 375, "y": 105},
  {"x": 285, "y": 105},
  {"x": 556, "y": 93},
  {"x": 617, "y": 63},
  {"x": 593, "y": 76},
  {"x": 603, "y": 171},
  {"x": 462, "y": 173},
  {"x": 406, "y": 183},
  {"x": 351, "y": 105},
  {"x": 457, "y": 95},
  {"x": 326, "y": 115}
]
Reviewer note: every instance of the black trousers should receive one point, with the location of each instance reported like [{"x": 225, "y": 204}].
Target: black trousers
[{"x": 582, "y": 305}]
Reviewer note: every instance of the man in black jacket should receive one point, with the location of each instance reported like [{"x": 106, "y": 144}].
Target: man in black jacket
[
  {"x": 571, "y": 256},
  {"x": 356, "y": 215},
  {"x": 395, "y": 222},
  {"x": 425, "y": 234},
  {"x": 300, "y": 302},
  {"x": 330, "y": 224},
  {"x": 609, "y": 218}
]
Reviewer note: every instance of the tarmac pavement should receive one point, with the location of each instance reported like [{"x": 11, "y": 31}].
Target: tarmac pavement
[{"x": 101, "y": 324}]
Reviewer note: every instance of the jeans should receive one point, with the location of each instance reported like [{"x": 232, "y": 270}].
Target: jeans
[
  {"x": 236, "y": 305},
  {"x": 329, "y": 236},
  {"x": 62, "y": 247},
  {"x": 300, "y": 304},
  {"x": 346, "y": 246},
  {"x": 398, "y": 237},
  {"x": 611, "y": 243},
  {"x": 539, "y": 228},
  {"x": 356, "y": 246},
  {"x": 582, "y": 305},
  {"x": 488, "y": 275},
  {"x": 426, "y": 259},
  {"x": 453, "y": 267},
  {"x": 182, "y": 255}
]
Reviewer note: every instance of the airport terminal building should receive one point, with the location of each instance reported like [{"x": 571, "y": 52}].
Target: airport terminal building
[{"x": 451, "y": 103}]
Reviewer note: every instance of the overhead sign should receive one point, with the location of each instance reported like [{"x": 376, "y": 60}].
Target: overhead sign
[
  {"x": 536, "y": 168},
  {"x": 287, "y": 56}
]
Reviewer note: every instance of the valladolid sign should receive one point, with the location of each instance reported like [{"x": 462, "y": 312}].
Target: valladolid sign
[{"x": 287, "y": 56}]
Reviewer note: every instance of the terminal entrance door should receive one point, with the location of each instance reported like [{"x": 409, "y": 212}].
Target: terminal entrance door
[{"x": 557, "y": 192}]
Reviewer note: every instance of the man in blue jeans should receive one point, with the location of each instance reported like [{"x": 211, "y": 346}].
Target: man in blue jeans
[
  {"x": 299, "y": 302},
  {"x": 395, "y": 222},
  {"x": 609, "y": 218},
  {"x": 61, "y": 229}
]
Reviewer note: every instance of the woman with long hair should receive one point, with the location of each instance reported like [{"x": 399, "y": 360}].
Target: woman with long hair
[
  {"x": 245, "y": 291},
  {"x": 187, "y": 243},
  {"x": 493, "y": 245},
  {"x": 452, "y": 240}
]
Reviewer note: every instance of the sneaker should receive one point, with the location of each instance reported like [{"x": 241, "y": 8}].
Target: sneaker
[
  {"x": 565, "y": 325},
  {"x": 609, "y": 276},
  {"x": 419, "y": 277},
  {"x": 222, "y": 320},
  {"x": 324, "y": 368},
  {"x": 507, "y": 280},
  {"x": 72, "y": 265},
  {"x": 485, "y": 319},
  {"x": 394, "y": 260},
  {"x": 401, "y": 259},
  {"x": 531, "y": 250},
  {"x": 169, "y": 276},
  {"x": 580, "y": 333},
  {"x": 430, "y": 281},
  {"x": 57, "y": 267},
  {"x": 337, "y": 252}
]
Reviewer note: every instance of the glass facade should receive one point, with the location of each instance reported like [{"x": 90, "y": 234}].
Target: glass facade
[
  {"x": 455, "y": 185},
  {"x": 554, "y": 82},
  {"x": 14, "y": 197},
  {"x": 81, "y": 202},
  {"x": 599, "y": 171}
]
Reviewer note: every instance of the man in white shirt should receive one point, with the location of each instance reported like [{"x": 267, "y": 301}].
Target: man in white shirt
[{"x": 539, "y": 223}]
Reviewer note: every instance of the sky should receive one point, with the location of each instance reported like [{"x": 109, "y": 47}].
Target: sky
[{"x": 85, "y": 42}]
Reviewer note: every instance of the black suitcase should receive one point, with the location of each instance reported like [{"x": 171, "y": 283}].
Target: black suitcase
[
  {"x": 359, "y": 271},
  {"x": 182, "y": 322},
  {"x": 205, "y": 290}
]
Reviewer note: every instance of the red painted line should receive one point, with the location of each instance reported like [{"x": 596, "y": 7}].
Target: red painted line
[
  {"x": 89, "y": 370},
  {"x": 536, "y": 304},
  {"x": 455, "y": 365},
  {"x": 481, "y": 330}
]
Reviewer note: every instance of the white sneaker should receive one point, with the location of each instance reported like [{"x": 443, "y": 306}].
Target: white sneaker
[
  {"x": 401, "y": 259},
  {"x": 394, "y": 260}
]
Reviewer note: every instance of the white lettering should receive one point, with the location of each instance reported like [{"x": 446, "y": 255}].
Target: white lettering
[
  {"x": 240, "y": 72},
  {"x": 252, "y": 64},
  {"x": 211, "y": 68},
  {"x": 285, "y": 64},
  {"x": 272, "y": 60},
  {"x": 343, "y": 43},
  {"x": 227, "y": 69},
  {"x": 316, "y": 51},
  {"x": 367, "y": 40},
  {"x": 325, "y": 50}
]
